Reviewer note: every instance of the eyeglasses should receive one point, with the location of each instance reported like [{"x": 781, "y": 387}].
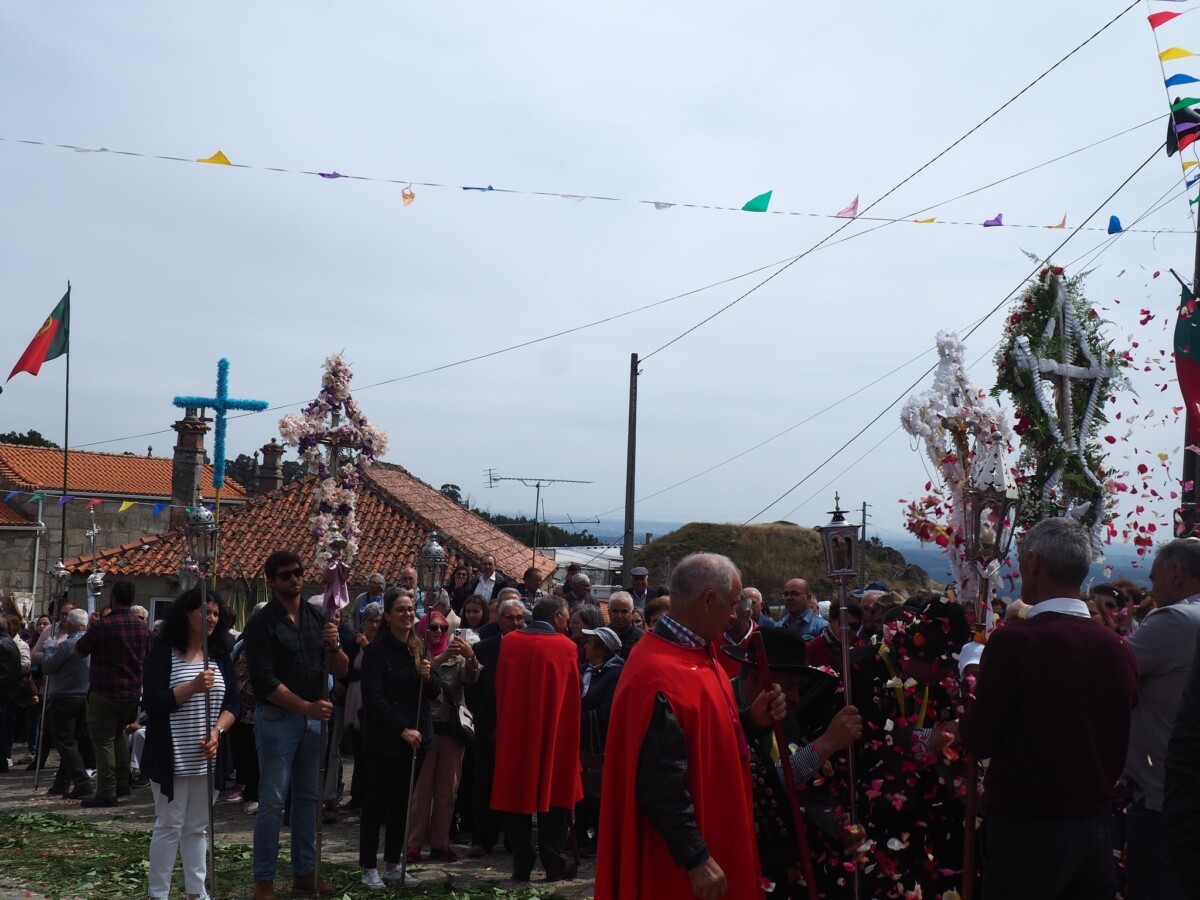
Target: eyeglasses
[
  {"x": 404, "y": 610},
  {"x": 289, "y": 574},
  {"x": 795, "y": 593},
  {"x": 437, "y": 627},
  {"x": 513, "y": 617}
]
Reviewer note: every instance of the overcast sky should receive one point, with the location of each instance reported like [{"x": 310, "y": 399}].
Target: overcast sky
[{"x": 174, "y": 265}]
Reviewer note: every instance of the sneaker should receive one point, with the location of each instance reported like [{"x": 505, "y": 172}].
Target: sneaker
[
  {"x": 90, "y": 773},
  {"x": 81, "y": 790},
  {"x": 250, "y": 808},
  {"x": 394, "y": 873},
  {"x": 444, "y": 855},
  {"x": 138, "y": 778},
  {"x": 25, "y": 760},
  {"x": 234, "y": 796},
  {"x": 414, "y": 854},
  {"x": 372, "y": 880},
  {"x": 477, "y": 850}
]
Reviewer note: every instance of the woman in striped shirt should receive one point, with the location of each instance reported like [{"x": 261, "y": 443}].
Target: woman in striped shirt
[{"x": 176, "y": 680}]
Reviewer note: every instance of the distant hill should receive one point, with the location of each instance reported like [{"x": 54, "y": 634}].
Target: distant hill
[{"x": 769, "y": 555}]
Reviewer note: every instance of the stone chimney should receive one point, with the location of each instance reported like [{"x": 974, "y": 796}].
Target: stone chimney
[
  {"x": 187, "y": 467},
  {"x": 270, "y": 473}
]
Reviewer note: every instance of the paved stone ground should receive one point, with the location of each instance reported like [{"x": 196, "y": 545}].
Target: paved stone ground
[{"x": 233, "y": 826}]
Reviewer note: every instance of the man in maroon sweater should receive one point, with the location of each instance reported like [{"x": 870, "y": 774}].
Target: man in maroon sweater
[{"x": 1051, "y": 710}]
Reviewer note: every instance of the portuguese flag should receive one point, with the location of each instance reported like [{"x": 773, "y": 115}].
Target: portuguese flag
[{"x": 50, "y": 342}]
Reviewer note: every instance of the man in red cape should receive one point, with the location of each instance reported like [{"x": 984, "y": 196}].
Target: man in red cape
[
  {"x": 676, "y": 817},
  {"x": 537, "y": 738}
]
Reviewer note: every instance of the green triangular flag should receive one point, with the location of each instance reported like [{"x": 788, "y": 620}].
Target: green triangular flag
[{"x": 758, "y": 204}]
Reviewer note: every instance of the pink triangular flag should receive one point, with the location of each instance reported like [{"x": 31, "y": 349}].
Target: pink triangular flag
[{"x": 850, "y": 211}]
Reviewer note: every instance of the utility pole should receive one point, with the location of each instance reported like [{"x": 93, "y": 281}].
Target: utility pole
[
  {"x": 630, "y": 468},
  {"x": 862, "y": 574},
  {"x": 537, "y": 483}
]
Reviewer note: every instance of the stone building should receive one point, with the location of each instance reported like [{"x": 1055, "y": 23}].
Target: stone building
[
  {"x": 396, "y": 513},
  {"x": 133, "y": 497}
]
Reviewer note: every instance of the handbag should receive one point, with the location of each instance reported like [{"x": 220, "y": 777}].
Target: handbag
[
  {"x": 591, "y": 759},
  {"x": 464, "y": 723}
]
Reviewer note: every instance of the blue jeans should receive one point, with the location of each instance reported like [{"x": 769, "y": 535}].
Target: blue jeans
[
  {"x": 289, "y": 747},
  {"x": 1151, "y": 873}
]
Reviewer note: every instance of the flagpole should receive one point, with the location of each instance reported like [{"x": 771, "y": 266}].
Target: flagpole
[{"x": 62, "y": 545}]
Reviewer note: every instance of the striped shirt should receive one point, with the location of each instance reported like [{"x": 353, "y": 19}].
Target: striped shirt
[{"x": 187, "y": 722}]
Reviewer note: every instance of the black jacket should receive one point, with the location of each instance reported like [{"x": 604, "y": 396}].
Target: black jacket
[
  {"x": 599, "y": 700},
  {"x": 158, "y": 756},
  {"x": 481, "y": 696},
  {"x": 391, "y": 689}
]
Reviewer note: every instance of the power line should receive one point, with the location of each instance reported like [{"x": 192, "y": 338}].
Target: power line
[
  {"x": 894, "y": 188},
  {"x": 971, "y": 331}
]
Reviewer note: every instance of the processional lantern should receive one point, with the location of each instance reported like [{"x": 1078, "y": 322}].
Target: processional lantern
[
  {"x": 991, "y": 500},
  {"x": 431, "y": 564},
  {"x": 201, "y": 534},
  {"x": 840, "y": 541}
]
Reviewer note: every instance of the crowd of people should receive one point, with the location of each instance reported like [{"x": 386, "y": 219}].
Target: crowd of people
[{"x": 639, "y": 729}]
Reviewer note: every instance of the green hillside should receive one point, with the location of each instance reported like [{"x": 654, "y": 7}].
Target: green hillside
[{"x": 769, "y": 555}]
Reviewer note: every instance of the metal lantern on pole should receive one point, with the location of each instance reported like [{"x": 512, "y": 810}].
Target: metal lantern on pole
[
  {"x": 840, "y": 541},
  {"x": 201, "y": 532},
  {"x": 431, "y": 566},
  {"x": 990, "y": 515}
]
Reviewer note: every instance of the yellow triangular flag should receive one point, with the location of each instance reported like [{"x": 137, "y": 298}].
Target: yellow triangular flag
[
  {"x": 125, "y": 505},
  {"x": 925, "y": 221},
  {"x": 217, "y": 159},
  {"x": 408, "y": 195},
  {"x": 1174, "y": 53},
  {"x": 1062, "y": 224},
  {"x": 1191, "y": 162}
]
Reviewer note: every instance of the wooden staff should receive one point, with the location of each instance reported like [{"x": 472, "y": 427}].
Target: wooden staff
[
  {"x": 412, "y": 772},
  {"x": 851, "y": 767},
  {"x": 970, "y": 802},
  {"x": 789, "y": 777}
]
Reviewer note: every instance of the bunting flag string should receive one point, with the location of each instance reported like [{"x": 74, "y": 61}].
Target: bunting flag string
[
  {"x": 1182, "y": 131},
  {"x": 64, "y": 499},
  {"x": 759, "y": 203}
]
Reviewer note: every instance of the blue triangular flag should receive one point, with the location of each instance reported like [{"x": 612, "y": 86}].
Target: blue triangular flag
[
  {"x": 1176, "y": 80},
  {"x": 1114, "y": 225},
  {"x": 159, "y": 507},
  {"x": 11, "y": 494}
]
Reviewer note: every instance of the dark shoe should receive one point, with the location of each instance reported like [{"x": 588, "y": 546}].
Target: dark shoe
[
  {"x": 123, "y": 791},
  {"x": 330, "y": 816},
  {"x": 307, "y": 884},
  {"x": 141, "y": 779},
  {"x": 32, "y": 767},
  {"x": 81, "y": 790},
  {"x": 94, "y": 802},
  {"x": 444, "y": 855},
  {"x": 56, "y": 790},
  {"x": 478, "y": 850},
  {"x": 264, "y": 890},
  {"x": 352, "y": 804},
  {"x": 414, "y": 855}
]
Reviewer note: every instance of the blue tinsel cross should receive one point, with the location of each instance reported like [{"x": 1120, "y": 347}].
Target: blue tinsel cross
[{"x": 221, "y": 404}]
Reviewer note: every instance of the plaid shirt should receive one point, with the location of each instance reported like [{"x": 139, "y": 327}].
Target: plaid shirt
[{"x": 118, "y": 644}]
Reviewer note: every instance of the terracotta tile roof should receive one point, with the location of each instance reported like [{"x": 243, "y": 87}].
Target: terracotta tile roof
[
  {"x": 396, "y": 512},
  {"x": 10, "y": 516},
  {"x": 125, "y": 475}
]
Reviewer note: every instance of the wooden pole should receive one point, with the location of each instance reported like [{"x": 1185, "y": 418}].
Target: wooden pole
[{"x": 630, "y": 469}]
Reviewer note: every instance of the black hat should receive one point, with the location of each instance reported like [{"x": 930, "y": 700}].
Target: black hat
[
  {"x": 786, "y": 652},
  {"x": 938, "y": 631}
]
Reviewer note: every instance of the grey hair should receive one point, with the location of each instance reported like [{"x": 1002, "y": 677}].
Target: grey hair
[
  {"x": 1063, "y": 546},
  {"x": 508, "y": 593},
  {"x": 380, "y": 577},
  {"x": 78, "y": 617},
  {"x": 1185, "y": 551},
  {"x": 136, "y": 608},
  {"x": 744, "y": 605},
  {"x": 443, "y": 599},
  {"x": 620, "y": 595},
  {"x": 579, "y": 578},
  {"x": 373, "y": 611},
  {"x": 506, "y": 604},
  {"x": 700, "y": 572},
  {"x": 589, "y": 616}
]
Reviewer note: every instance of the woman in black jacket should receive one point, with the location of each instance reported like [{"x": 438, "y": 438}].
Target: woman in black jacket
[
  {"x": 396, "y": 727},
  {"x": 179, "y": 742}
]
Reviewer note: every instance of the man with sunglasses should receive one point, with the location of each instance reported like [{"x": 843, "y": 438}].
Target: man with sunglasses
[{"x": 285, "y": 645}]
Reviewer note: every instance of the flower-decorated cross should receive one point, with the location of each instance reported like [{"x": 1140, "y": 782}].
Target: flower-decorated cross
[
  {"x": 351, "y": 445},
  {"x": 221, "y": 404}
]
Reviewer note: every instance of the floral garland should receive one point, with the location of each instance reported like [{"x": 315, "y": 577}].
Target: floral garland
[
  {"x": 334, "y": 526},
  {"x": 943, "y": 418},
  {"x": 1053, "y": 332}
]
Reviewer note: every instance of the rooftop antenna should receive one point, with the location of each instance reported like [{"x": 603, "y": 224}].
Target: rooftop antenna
[{"x": 536, "y": 483}]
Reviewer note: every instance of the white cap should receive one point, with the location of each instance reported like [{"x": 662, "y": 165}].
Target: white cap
[{"x": 969, "y": 655}]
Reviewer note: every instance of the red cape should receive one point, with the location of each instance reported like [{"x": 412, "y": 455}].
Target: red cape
[
  {"x": 633, "y": 859},
  {"x": 537, "y": 724}
]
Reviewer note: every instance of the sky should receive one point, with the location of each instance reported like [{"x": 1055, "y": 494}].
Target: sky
[{"x": 174, "y": 265}]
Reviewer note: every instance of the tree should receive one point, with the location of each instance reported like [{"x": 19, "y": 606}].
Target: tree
[
  {"x": 29, "y": 438},
  {"x": 453, "y": 492}
]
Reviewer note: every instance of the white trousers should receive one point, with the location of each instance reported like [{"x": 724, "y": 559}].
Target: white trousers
[{"x": 181, "y": 826}]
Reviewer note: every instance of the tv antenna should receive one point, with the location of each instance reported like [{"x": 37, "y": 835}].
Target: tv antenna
[{"x": 534, "y": 482}]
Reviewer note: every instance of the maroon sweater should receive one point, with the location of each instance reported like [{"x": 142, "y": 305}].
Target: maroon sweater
[{"x": 1051, "y": 711}]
